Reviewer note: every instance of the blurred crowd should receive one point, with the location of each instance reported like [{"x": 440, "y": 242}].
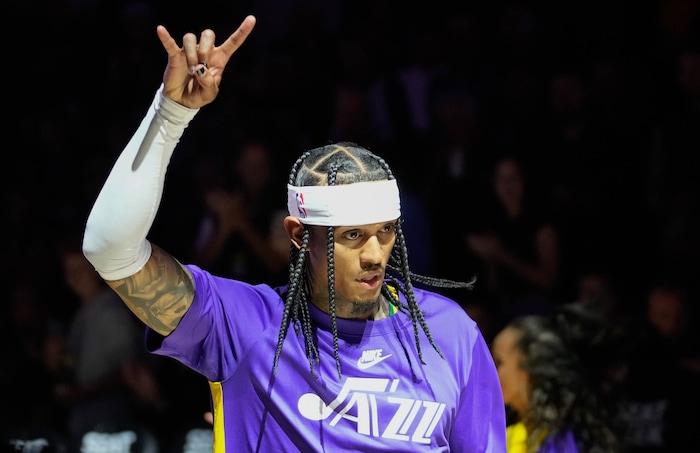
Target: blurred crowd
[{"x": 552, "y": 150}]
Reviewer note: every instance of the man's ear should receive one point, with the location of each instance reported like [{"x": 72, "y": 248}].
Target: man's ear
[{"x": 295, "y": 230}]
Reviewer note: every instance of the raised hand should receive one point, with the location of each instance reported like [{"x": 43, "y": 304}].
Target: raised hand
[{"x": 194, "y": 70}]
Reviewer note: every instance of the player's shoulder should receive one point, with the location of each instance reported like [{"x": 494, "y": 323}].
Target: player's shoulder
[
  {"x": 210, "y": 284},
  {"x": 435, "y": 297},
  {"x": 435, "y": 303}
]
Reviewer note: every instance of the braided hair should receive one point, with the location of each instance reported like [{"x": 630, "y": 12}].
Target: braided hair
[{"x": 337, "y": 164}]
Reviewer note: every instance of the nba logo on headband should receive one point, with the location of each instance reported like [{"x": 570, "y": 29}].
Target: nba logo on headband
[{"x": 300, "y": 205}]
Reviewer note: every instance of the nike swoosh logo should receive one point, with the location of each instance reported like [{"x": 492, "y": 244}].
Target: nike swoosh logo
[{"x": 364, "y": 365}]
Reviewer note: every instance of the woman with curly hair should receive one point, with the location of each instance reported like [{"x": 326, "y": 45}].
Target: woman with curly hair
[{"x": 550, "y": 388}]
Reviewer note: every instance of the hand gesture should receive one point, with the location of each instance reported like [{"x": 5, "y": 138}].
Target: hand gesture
[{"x": 194, "y": 70}]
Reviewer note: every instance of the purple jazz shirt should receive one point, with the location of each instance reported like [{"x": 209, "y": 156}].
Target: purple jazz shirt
[{"x": 385, "y": 400}]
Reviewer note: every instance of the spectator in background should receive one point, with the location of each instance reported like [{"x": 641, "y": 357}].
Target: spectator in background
[
  {"x": 590, "y": 166},
  {"x": 28, "y": 338},
  {"x": 678, "y": 136},
  {"x": 598, "y": 285},
  {"x": 241, "y": 236},
  {"x": 104, "y": 346},
  {"x": 352, "y": 116},
  {"x": 661, "y": 395},
  {"x": 456, "y": 164},
  {"x": 516, "y": 243},
  {"x": 556, "y": 406}
]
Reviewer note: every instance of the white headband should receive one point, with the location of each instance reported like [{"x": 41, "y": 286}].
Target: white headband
[{"x": 360, "y": 203}]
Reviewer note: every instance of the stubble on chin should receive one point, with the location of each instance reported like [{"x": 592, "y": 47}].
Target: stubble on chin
[{"x": 364, "y": 308}]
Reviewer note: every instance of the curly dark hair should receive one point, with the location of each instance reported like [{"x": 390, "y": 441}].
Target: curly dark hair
[
  {"x": 337, "y": 164},
  {"x": 564, "y": 395}
]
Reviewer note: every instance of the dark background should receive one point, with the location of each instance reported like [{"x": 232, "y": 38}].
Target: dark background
[{"x": 88, "y": 71}]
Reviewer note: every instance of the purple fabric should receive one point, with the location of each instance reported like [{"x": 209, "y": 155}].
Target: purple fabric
[
  {"x": 385, "y": 401},
  {"x": 563, "y": 444}
]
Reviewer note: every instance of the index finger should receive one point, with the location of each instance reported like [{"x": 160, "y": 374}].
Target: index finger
[
  {"x": 239, "y": 36},
  {"x": 168, "y": 42}
]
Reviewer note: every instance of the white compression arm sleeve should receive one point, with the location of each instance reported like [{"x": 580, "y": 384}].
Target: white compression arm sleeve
[{"x": 115, "y": 235}]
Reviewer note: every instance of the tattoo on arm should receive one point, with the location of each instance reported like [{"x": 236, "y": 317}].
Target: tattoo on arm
[{"x": 159, "y": 294}]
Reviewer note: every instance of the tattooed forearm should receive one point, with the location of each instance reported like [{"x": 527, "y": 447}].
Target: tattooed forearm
[{"x": 159, "y": 294}]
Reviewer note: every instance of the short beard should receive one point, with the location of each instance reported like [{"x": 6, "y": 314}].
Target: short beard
[{"x": 362, "y": 308}]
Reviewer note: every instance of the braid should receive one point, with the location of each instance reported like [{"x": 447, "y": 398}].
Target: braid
[
  {"x": 291, "y": 309},
  {"x": 432, "y": 281},
  {"x": 416, "y": 313},
  {"x": 295, "y": 167},
  {"x": 336, "y": 164},
  {"x": 308, "y": 332},
  {"x": 330, "y": 248},
  {"x": 297, "y": 293}
]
